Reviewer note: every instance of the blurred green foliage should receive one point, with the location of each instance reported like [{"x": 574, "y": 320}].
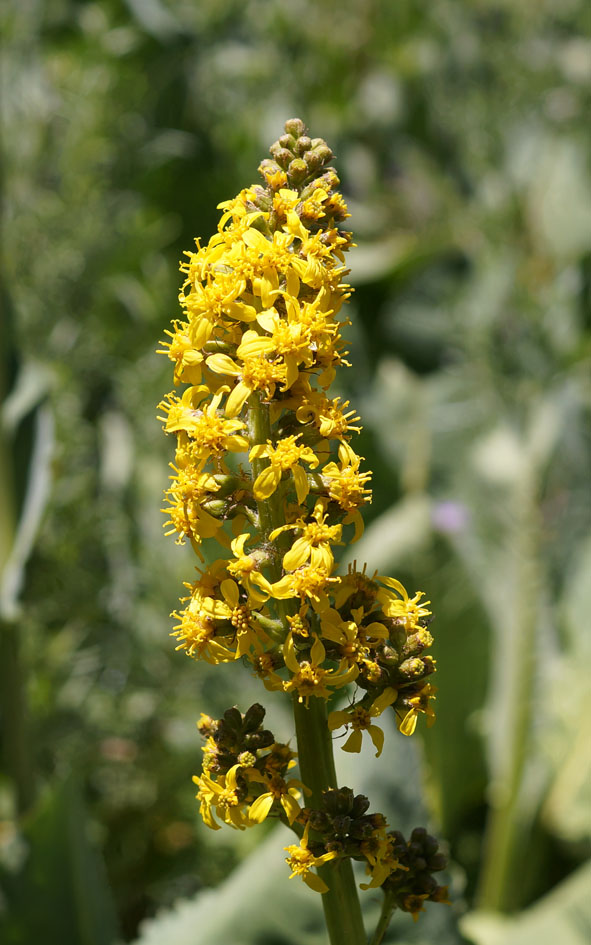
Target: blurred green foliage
[{"x": 462, "y": 144}]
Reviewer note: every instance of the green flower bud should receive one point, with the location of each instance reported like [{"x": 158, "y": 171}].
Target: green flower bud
[
  {"x": 302, "y": 144},
  {"x": 412, "y": 668},
  {"x": 297, "y": 170},
  {"x": 287, "y": 141},
  {"x": 295, "y": 127},
  {"x": 313, "y": 160},
  {"x": 283, "y": 157},
  {"x": 215, "y": 507},
  {"x": 324, "y": 153}
]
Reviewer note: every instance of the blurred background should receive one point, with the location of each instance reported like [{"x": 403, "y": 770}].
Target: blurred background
[{"x": 462, "y": 139}]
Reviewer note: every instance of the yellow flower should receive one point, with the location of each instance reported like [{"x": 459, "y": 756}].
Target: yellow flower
[
  {"x": 406, "y": 611},
  {"x": 187, "y": 517},
  {"x": 381, "y": 861},
  {"x": 314, "y": 544},
  {"x": 305, "y": 582},
  {"x": 418, "y": 704},
  {"x": 301, "y": 860},
  {"x": 286, "y": 792},
  {"x": 290, "y": 338},
  {"x": 309, "y": 678},
  {"x": 354, "y": 638},
  {"x": 330, "y": 417},
  {"x": 285, "y": 456},
  {"x": 223, "y": 795},
  {"x": 347, "y": 486},
  {"x": 255, "y": 373},
  {"x": 210, "y": 434},
  {"x": 245, "y": 569},
  {"x": 181, "y": 349},
  {"x": 263, "y": 262},
  {"x": 359, "y": 718},
  {"x": 237, "y": 612},
  {"x": 196, "y": 633}
]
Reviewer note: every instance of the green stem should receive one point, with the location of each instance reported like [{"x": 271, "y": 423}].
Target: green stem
[
  {"x": 342, "y": 911},
  {"x": 385, "y": 918}
]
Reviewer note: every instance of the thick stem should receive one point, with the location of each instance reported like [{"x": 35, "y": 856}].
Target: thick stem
[{"x": 342, "y": 911}]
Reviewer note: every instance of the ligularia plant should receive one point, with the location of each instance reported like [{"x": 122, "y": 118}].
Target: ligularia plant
[{"x": 265, "y": 468}]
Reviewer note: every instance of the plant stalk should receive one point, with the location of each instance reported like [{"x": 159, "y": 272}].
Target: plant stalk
[{"x": 342, "y": 910}]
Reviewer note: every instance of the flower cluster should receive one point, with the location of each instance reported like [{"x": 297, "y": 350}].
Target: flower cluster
[
  {"x": 264, "y": 467},
  {"x": 343, "y": 827},
  {"x": 244, "y": 768}
]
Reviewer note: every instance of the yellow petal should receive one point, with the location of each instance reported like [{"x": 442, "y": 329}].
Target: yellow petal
[
  {"x": 222, "y": 364},
  {"x": 317, "y": 653},
  {"x": 281, "y": 590},
  {"x": 353, "y": 743},
  {"x": 409, "y": 723},
  {"x": 237, "y": 399},
  {"x": 315, "y": 883},
  {"x": 267, "y": 319},
  {"x": 322, "y": 557},
  {"x": 292, "y": 373},
  {"x": 258, "y": 451},
  {"x": 253, "y": 344},
  {"x": 301, "y": 483},
  {"x": 255, "y": 240},
  {"x": 240, "y": 311},
  {"x": 377, "y": 737},
  {"x": 297, "y": 555},
  {"x": 229, "y": 589},
  {"x": 386, "y": 698},
  {"x": 236, "y": 444},
  {"x": 293, "y": 283},
  {"x": 289, "y": 655},
  {"x": 337, "y": 719},
  {"x": 290, "y": 806},
  {"x": 259, "y": 809},
  {"x": 266, "y": 482},
  {"x": 392, "y": 582}
]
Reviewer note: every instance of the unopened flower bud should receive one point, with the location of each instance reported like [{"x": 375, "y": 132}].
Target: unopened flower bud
[
  {"x": 295, "y": 127},
  {"x": 313, "y": 160},
  {"x": 302, "y": 144},
  {"x": 412, "y": 668},
  {"x": 215, "y": 507},
  {"x": 324, "y": 153},
  {"x": 233, "y": 718},
  {"x": 253, "y": 717},
  {"x": 287, "y": 141},
  {"x": 283, "y": 158},
  {"x": 258, "y": 740},
  {"x": 247, "y": 759},
  {"x": 297, "y": 170}
]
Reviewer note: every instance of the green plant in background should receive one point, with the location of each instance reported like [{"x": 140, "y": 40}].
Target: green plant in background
[{"x": 258, "y": 346}]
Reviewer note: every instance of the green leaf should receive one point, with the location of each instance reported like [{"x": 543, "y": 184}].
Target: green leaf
[{"x": 60, "y": 894}]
